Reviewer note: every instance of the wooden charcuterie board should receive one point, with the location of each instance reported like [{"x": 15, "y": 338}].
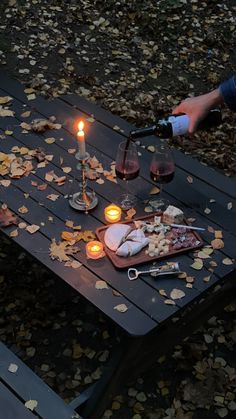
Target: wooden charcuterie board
[{"x": 142, "y": 257}]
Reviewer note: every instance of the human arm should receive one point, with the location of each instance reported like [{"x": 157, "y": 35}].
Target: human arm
[{"x": 198, "y": 107}]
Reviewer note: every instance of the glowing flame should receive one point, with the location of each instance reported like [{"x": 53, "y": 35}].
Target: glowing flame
[{"x": 80, "y": 126}]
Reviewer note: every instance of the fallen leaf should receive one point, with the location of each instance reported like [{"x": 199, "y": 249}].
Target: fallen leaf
[
  {"x": 162, "y": 293},
  {"x": 197, "y": 264},
  {"x": 5, "y": 183},
  {"x": 148, "y": 209},
  {"x": 57, "y": 251},
  {"x": 130, "y": 214},
  {"x": 50, "y": 140},
  {"x": 23, "y": 210},
  {"x": 26, "y": 114},
  {"x": 176, "y": 294},
  {"x": 13, "y": 368},
  {"x": 101, "y": 285},
  {"x": 6, "y": 112},
  {"x": 14, "y": 233},
  {"x": 5, "y": 99},
  {"x": 229, "y": 205},
  {"x": 100, "y": 181},
  {"x": 75, "y": 264},
  {"x": 155, "y": 190},
  {"x": 121, "y": 307},
  {"x": 189, "y": 179},
  {"x": 207, "y": 210},
  {"x": 31, "y": 97},
  {"x": 31, "y": 404},
  {"x": 7, "y": 132},
  {"x": 53, "y": 197},
  {"x": 218, "y": 234},
  {"x": 32, "y": 228},
  {"x": 203, "y": 255},
  {"x": 66, "y": 169},
  {"x": 227, "y": 261},
  {"x": 169, "y": 302},
  {"x": 7, "y": 217},
  {"x": 217, "y": 244},
  {"x": 151, "y": 148}
]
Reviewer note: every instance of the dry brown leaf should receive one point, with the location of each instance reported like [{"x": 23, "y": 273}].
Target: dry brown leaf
[
  {"x": 6, "y": 112},
  {"x": 53, "y": 197},
  {"x": 7, "y": 217},
  {"x": 151, "y": 148},
  {"x": 203, "y": 255},
  {"x": 218, "y": 234},
  {"x": 75, "y": 264},
  {"x": 155, "y": 190},
  {"x": 197, "y": 264},
  {"x": 93, "y": 162},
  {"x": 100, "y": 181},
  {"x": 177, "y": 294},
  {"x": 14, "y": 233},
  {"x": 122, "y": 308},
  {"x": 130, "y": 214},
  {"x": 57, "y": 251},
  {"x": 50, "y": 140},
  {"x": 26, "y": 114},
  {"x": 169, "y": 302},
  {"x": 101, "y": 285},
  {"x": 32, "y": 228},
  {"x": 69, "y": 223},
  {"x": 217, "y": 244},
  {"x": 148, "y": 209},
  {"x": 5, "y": 99},
  {"x": 66, "y": 169},
  {"x": 23, "y": 210},
  {"x": 227, "y": 261},
  {"x": 162, "y": 293},
  {"x": 207, "y": 278},
  {"x": 189, "y": 179},
  {"x": 5, "y": 183}
]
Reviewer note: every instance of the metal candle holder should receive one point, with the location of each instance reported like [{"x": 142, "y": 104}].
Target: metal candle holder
[{"x": 83, "y": 200}]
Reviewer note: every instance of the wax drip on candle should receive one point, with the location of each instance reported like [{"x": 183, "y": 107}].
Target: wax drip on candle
[{"x": 81, "y": 140}]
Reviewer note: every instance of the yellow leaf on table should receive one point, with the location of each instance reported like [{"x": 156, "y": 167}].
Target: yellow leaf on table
[
  {"x": 26, "y": 126},
  {"x": 169, "y": 302},
  {"x": 53, "y": 197},
  {"x": 57, "y": 251},
  {"x": 121, "y": 307},
  {"x": 189, "y": 179},
  {"x": 26, "y": 114},
  {"x": 155, "y": 190},
  {"x": 197, "y": 264},
  {"x": 29, "y": 90},
  {"x": 227, "y": 261},
  {"x": 50, "y": 140},
  {"x": 162, "y": 293},
  {"x": 101, "y": 285},
  {"x": 32, "y": 228},
  {"x": 177, "y": 294},
  {"x": 218, "y": 234},
  {"x": 5, "y": 183},
  {"x": 5, "y": 99},
  {"x": 31, "y": 404},
  {"x": 14, "y": 233},
  {"x": 130, "y": 214},
  {"x": 66, "y": 169},
  {"x": 23, "y": 210},
  {"x": 217, "y": 244},
  {"x": 32, "y": 96},
  {"x": 6, "y": 112},
  {"x": 7, "y": 132}
]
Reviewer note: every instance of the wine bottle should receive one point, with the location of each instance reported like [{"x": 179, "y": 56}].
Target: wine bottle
[{"x": 177, "y": 125}]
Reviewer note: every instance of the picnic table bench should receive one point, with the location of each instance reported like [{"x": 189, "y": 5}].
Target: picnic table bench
[{"x": 149, "y": 327}]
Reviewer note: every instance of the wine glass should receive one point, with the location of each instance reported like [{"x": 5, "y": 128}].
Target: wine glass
[
  {"x": 127, "y": 168},
  {"x": 162, "y": 171}
]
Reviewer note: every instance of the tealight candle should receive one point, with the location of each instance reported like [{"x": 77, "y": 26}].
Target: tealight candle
[
  {"x": 112, "y": 213},
  {"x": 81, "y": 140},
  {"x": 94, "y": 249}
]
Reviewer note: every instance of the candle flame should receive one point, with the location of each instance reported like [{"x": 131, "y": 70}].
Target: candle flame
[
  {"x": 80, "y": 126},
  {"x": 95, "y": 248}
]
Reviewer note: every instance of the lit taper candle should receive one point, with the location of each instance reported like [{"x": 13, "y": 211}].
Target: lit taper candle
[{"x": 81, "y": 140}]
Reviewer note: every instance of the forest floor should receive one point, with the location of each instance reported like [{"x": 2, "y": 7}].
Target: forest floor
[{"x": 138, "y": 59}]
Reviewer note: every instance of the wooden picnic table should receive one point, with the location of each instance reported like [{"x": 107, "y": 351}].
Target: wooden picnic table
[{"x": 149, "y": 326}]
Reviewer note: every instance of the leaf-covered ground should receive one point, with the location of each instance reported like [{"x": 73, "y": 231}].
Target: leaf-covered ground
[{"x": 136, "y": 58}]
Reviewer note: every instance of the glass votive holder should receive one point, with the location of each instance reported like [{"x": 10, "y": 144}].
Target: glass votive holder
[
  {"x": 94, "y": 250},
  {"x": 112, "y": 213}
]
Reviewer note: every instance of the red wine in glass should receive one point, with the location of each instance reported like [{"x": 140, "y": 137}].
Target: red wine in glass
[
  {"x": 127, "y": 168},
  {"x": 162, "y": 171},
  {"x": 128, "y": 171}
]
